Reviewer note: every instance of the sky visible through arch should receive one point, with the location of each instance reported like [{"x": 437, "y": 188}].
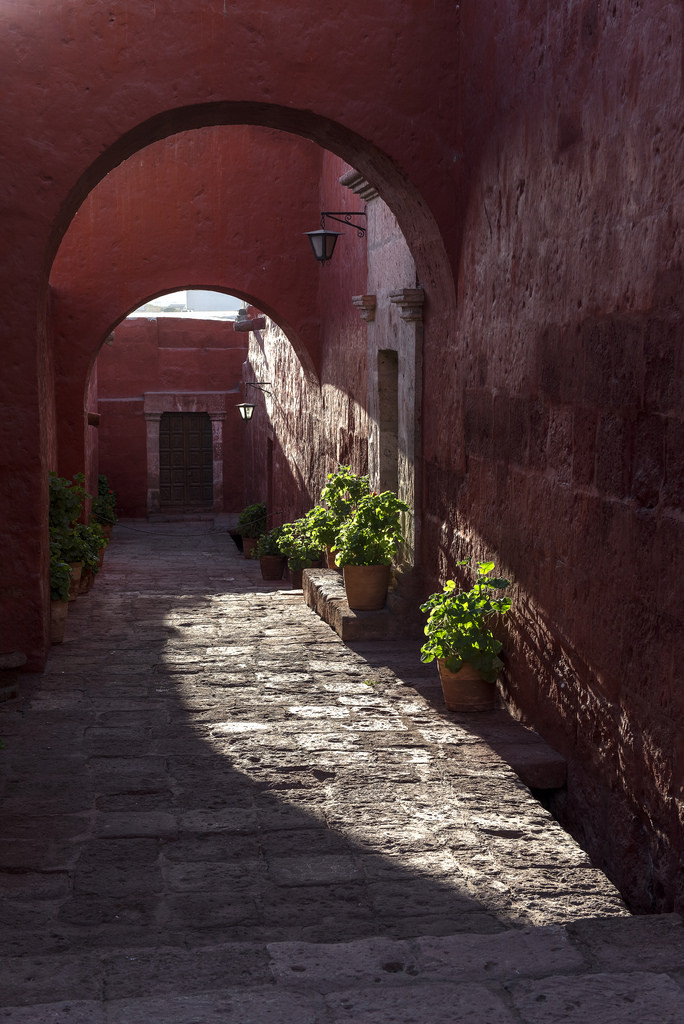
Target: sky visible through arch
[{"x": 193, "y": 303}]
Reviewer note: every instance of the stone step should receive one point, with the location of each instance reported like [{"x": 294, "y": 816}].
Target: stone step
[
  {"x": 534, "y": 761},
  {"x": 324, "y": 591},
  {"x": 599, "y": 971}
]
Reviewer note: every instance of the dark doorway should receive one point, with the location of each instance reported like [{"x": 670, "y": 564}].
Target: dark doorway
[{"x": 186, "y": 477}]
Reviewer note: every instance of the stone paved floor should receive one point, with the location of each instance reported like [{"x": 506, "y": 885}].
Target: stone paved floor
[{"x": 214, "y": 811}]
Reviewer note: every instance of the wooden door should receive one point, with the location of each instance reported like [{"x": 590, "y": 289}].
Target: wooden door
[{"x": 186, "y": 472}]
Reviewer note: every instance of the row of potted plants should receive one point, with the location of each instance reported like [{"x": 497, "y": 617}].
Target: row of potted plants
[
  {"x": 76, "y": 548},
  {"x": 358, "y": 529},
  {"x": 361, "y": 530}
]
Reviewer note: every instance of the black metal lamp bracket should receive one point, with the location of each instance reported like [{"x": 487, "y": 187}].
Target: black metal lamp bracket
[
  {"x": 260, "y": 385},
  {"x": 342, "y": 217}
]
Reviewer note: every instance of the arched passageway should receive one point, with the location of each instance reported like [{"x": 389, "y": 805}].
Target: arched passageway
[
  {"x": 199, "y": 207},
  {"x": 533, "y": 155},
  {"x": 106, "y": 102}
]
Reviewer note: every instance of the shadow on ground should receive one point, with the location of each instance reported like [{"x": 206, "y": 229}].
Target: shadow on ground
[{"x": 204, "y": 762}]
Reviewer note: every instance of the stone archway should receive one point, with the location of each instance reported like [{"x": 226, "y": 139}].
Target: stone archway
[
  {"x": 109, "y": 101},
  {"x": 84, "y": 311},
  {"x": 285, "y": 285}
]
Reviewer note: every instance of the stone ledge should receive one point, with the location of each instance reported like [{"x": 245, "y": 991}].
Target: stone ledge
[
  {"x": 535, "y": 763},
  {"x": 256, "y": 323},
  {"x": 323, "y": 591}
]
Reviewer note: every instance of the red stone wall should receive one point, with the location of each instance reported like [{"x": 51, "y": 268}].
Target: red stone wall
[
  {"x": 554, "y": 432},
  {"x": 183, "y": 214},
  {"x": 344, "y": 370},
  {"x": 177, "y": 356},
  {"x": 313, "y": 424}
]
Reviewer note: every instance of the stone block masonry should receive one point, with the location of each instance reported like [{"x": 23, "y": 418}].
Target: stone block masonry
[{"x": 235, "y": 816}]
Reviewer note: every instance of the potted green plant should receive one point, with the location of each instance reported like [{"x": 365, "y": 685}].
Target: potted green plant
[
  {"x": 60, "y": 580},
  {"x": 94, "y": 540},
  {"x": 365, "y": 544},
  {"x": 75, "y": 548},
  {"x": 301, "y": 545},
  {"x": 341, "y": 495},
  {"x": 460, "y": 638},
  {"x": 104, "y": 506},
  {"x": 251, "y": 525},
  {"x": 323, "y": 525},
  {"x": 67, "y": 499},
  {"x": 270, "y": 554}
]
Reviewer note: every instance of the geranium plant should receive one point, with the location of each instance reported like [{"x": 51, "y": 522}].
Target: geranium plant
[
  {"x": 252, "y": 520},
  {"x": 323, "y": 524},
  {"x": 457, "y": 628},
  {"x": 372, "y": 532},
  {"x": 66, "y": 502},
  {"x": 77, "y": 543},
  {"x": 60, "y": 575},
  {"x": 104, "y": 505},
  {"x": 300, "y": 542},
  {"x": 71, "y": 541},
  {"x": 343, "y": 492},
  {"x": 94, "y": 539},
  {"x": 270, "y": 543}
]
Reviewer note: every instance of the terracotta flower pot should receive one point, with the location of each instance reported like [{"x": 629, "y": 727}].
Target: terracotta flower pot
[
  {"x": 296, "y": 576},
  {"x": 366, "y": 586},
  {"x": 58, "y": 617},
  {"x": 76, "y": 570},
  {"x": 466, "y": 690},
  {"x": 87, "y": 580},
  {"x": 272, "y": 567},
  {"x": 248, "y": 546}
]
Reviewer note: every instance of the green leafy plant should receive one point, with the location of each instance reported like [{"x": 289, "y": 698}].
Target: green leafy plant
[
  {"x": 457, "y": 628},
  {"x": 343, "y": 492},
  {"x": 94, "y": 539},
  {"x": 104, "y": 505},
  {"x": 372, "y": 532},
  {"x": 270, "y": 543},
  {"x": 66, "y": 501},
  {"x": 300, "y": 542},
  {"x": 74, "y": 544},
  {"x": 252, "y": 520},
  {"x": 60, "y": 575},
  {"x": 71, "y": 541},
  {"x": 323, "y": 525}
]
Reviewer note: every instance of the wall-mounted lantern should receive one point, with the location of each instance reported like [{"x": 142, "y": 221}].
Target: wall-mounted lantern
[
  {"x": 323, "y": 241},
  {"x": 246, "y": 409}
]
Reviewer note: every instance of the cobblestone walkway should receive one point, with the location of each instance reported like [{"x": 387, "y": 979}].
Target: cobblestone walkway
[{"x": 214, "y": 811}]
